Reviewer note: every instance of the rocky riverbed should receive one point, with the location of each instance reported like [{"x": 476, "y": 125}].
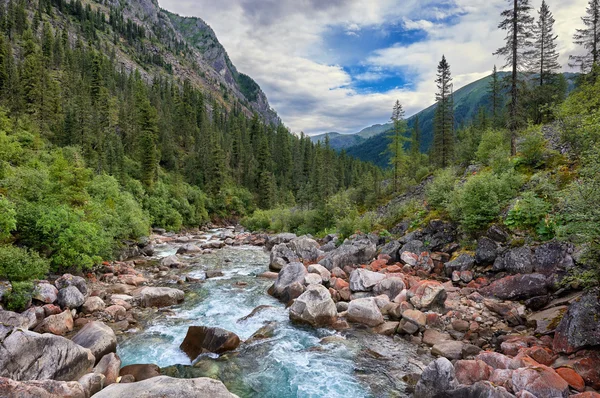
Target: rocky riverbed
[{"x": 366, "y": 318}]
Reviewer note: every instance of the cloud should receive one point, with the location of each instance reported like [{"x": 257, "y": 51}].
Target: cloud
[{"x": 282, "y": 45}]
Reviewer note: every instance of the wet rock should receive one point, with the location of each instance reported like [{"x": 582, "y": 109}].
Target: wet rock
[
  {"x": 437, "y": 378},
  {"x": 448, "y": 349},
  {"x": 140, "y": 372},
  {"x": 517, "y": 287},
  {"x": 171, "y": 262},
  {"x": 164, "y": 386},
  {"x": 579, "y": 326},
  {"x": 203, "y": 339},
  {"x": 70, "y": 297},
  {"x": 91, "y": 383},
  {"x": 188, "y": 248},
  {"x": 365, "y": 311},
  {"x": 305, "y": 248},
  {"x": 427, "y": 294},
  {"x": 321, "y": 271},
  {"x": 391, "y": 287},
  {"x": 40, "y": 389},
  {"x": 290, "y": 282},
  {"x": 116, "y": 312},
  {"x": 279, "y": 239},
  {"x": 541, "y": 381},
  {"x": 109, "y": 366},
  {"x": 360, "y": 251},
  {"x": 363, "y": 280},
  {"x": 158, "y": 296},
  {"x": 471, "y": 371},
  {"x": 46, "y": 293},
  {"x": 314, "y": 307},
  {"x": 516, "y": 261},
  {"x": 69, "y": 280},
  {"x": 392, "y": 249},
  {"x": 28, "y": 355},
  {"x": 98, "y": 338},
  {"x": 464, "y": 262},
  {"x": 59, "y": 324},
  {"x": 93, "y": 304},
  {"x": 487, "y": 251},
  {"x": 280, "y": 256}
]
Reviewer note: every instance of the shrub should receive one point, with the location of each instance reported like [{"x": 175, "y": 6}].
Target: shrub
[
  {"x": 528, "y": 212},
  {"x": 259, "y": 221},
  {"x": 494, "y": 148},
  {"x": 19, "y": 297},
  {"x": 532, "y": 147},
  {"x": 19, "y": 265},
  {"x": 440, "y": 190},
  {"x": 8, "y": 221}
]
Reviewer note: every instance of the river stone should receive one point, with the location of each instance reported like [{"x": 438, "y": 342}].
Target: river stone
[
  {"x": 464, "y": 262},
  {"x": 437, "y": 378},
  {"x": 69, "y": 280},
  {"x": 10, "y": 320},
  {"x": 486, "y": 252},
  {"x": 517, "y": 287},
  {"x": 109, "y": 366},
  {"x": 360, "y": 251},
  {"x": 140, "y": 372},
  {"x": 579, "y": 326},
  {"x": 159, "y": 296},
  {"x": 427, "y": 295},
  {"x": 285, "y": 287},
  {"x": 93, "y": 304},
  {"x": 46, "y": 293},
  {"x": 41, "y": 389},
  {"x": 98, "y": 338},
  {"x": 365, "y": 311},
  {"x": 279, "y": 239},
  {"x": 363, "y": 280},
  {"x": 171, "y": 261},
  {"x": 188, "y": 248},
  {"x": 312, "y": 279},
  {"x": 305, "y": 248},
  {"x": 314, "y": 307},
  {"x": 164, "y": 386},
  {"x": 448, "y": 349},
  {"x": 203, "y": 339},
  {"x": 322, "y": 271},
  {"x": 391, "y": 287},
  {"x": 26, "y": 355},
  {"x": 392, "y": 249},
  {"x": 70, "y": 297},
  {"x": 280, "y": 256},
  {"x": 59, "y": 324},
  {"x": 92, "y": 383}
]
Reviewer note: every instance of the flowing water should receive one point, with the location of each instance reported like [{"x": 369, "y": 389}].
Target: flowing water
[{"x": 294, "y": 361}]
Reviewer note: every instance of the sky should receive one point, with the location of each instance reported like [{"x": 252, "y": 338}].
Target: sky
[{"x": 339, "y": 65}]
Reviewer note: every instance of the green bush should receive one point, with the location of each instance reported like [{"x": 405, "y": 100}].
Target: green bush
[
  {"x": 528, "y": 212},
  {"x": 8, "y": 221},
  {"x": 533, "y": 147},
  {"x": 353, "y": 222},
  {"x": 19, "y": 265},
  {"x": 259, "y": 221},
  {"x": 440, "y": 190},
  {"x": 19, "y": 297},
  {"x": 494, "y": 150}
]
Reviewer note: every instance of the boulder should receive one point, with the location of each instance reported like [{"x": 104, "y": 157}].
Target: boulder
[
  {"x": 416, "y": 317},
  {"x": 579, "y": 325},
  {"x": 93, "y": 304},
  {"x": 171, "y": 261},
  {"x": 203, "y": 339},
  {"x": 140, "y": 372},
  {"x": 413, "y": 246},
  {"x": 188, "y": 248},
  {"x": 314, "y": 307},
  {"x": 546, "y": 321},
  {"x": 363, "y": 280},
  {"x": 516, "y": 261},
  {"x": 391, "y": 287},
  {"x": 517, "y": 287},
  {"x": 463, "y": 262},
  {"x": 427, "y": 295},
  {"x": 541, "y": 381},
  {"x": 41, "y": 389},
  {"x": 45, "y": 293},
  {"x": 471, "y": 371},
  {"x": 305, "y": 248},
  {"x": 280, "y": 256},
  {"x": 109, "y": 366},
  {"x": 28, "y": 355},
  {"x": 285, "y": 287},
  {"x": 437, "y": 378},
  {"x": 321, "y": 271},
  {"x": 91, "y": 383},
  {"x": 448, "y": 349},
  {"x": 552, "y": 258},
  {"x": 487, "y": 251},
  {"x": 70, "y": 297},
  {"x": 10, "y": 320},
  {"x": 274, "y": 240},
  {"x": 116, "y": 312},
  {"x": 365, "y": 311},
  {"x": 98, "y": 338},
  {"x": 360, "y": 251},
  {"x": 498, "y": 234},
  {"x": 69, "y": 280},
  {"x": 481, "y": 389},
  {"x": 159, "y": 296},
  {"x": 431, "y": 336},
  {"x": 574, "y": 380},
  {"x": 313, "y": 279},
  {"x": 59, "y": 324},
  {"x": 164, "y": 386},
  {"x": 392, "y": 249}
]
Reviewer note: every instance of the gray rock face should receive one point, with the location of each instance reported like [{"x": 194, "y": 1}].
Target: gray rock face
[
  {"x": 486, "y": 252},
  {"x": 41, "y": 389},
  {"x": 279, "y": 239},
  {"x": 46, "y": 293},
  {"x": 10, "y": 320},
  {"x": 203, "y": 339},
  {"x": 363, "y": 280},
  {"x": 164, "y": 386},
  {"x": 305, "y": 248},
  {"x": 498, "y": 234},
  {"x": 159, "y": 296},
  {"x": 437, "y": 378},
  {"x": 365, "y": 311},
  {"x": 281, "y": 255},
  {"x": 360, "y": 251},
  {"x": 290, "y": 274},
  {"x": 28, "y": 355},
  {"x": 579, "y": 326},
  {"x": 516, "y": 261},
  {"x": 314, "y": 307},
  {"x": 70, "y": 280},
  {"x": 70, "y": 297},
  {"x": 391, "y": 287},
  {"x": 552, "y": 257},
  {"x": 414, "y": 246},
  {"x": 321, "y": 271},
  {"x": 98, "y": 338},
  {"x": 392, "y": 249},
  {"x": 464, "y": 262}
]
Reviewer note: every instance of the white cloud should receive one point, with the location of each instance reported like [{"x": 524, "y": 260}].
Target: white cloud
[{"x": 280, "y": 44}]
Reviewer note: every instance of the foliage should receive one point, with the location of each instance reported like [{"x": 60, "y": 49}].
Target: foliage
[
  {"x": 19, "y": 296},
  {"x": 528, "y": 212},
  {"x": 8, "y": 221},
  {"x": 533, "y": 147},
  {"x": 20, "y": 265},
  {"x": 439, "y": 191},
  {"x": 493, "y": 149}
]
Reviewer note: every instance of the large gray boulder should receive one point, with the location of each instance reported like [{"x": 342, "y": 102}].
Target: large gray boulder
[
  {"x": 26, "y": 355},
  {"x": 392, "y": 249},
  {"x": 314, "y": 307},
  {"x": 486, "y": 252},
  {"x": 159, "y": 296},
  {"x": 98, "y": 338},
  {"x": 437, "y": 378},
  {"x": 579, "y": 326},
  {"x": 279, "y": 239},
  {"x": 164, "y": 386},
  {"x": 391, "y": 287},
  {"x": 517, "y": 287},
  {"x": 286, "y": 285},
  {"x": 552, "y": 258},
  {"x": 10, "y": 320},
  {"x": 281, "y": 255},
  {"x": 359, "y": 251},
  {"x": 365, "y": 311},
  {"x": 41, "y": 389},
  {"x": 204, "y": 339},
  {"x": 363, "y": 280},
  {"x": 45, "y": 293},
  {"x": 463, "y": 262},
  {"x": 70, "y": 297},
  {"x": 305, "y": 248},
  {"x": 516, "y": 261},
  {"x": 69, "y": 280}
]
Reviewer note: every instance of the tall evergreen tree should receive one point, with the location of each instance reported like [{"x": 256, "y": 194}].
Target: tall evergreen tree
[
  {"x": 495, "y": 95},
  {"x": 443, "y": 128},
  {"x": 588, "y": 38},
  {"x": 518, "y": 25},
  {"x": 544, "y": 55},
  {"x": 415, "y": 139},
  {"x": 396, "y": 145}
]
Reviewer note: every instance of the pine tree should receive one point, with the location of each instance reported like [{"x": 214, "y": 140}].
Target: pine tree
[
  {"x": 396, "y": 145},
  {"x": 415, "y": 139},
  {"x": 544, "y": 55},
  {"x": 518, "y": 24},
  {"x": 443, "y": 129},
  {"x": 495, "y": 95},
  {"x": 588, "y": 38}
]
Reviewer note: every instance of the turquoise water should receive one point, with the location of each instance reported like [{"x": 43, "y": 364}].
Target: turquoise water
[{"x": 295, "y": 362}]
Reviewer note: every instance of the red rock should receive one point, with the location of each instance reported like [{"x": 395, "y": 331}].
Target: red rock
[
  {"x": 499, "y": 361},
  {"x": 588, "y": 367},
  {"x": 541, "y": 381},
  {"x": 539, "y": 354},
  {"x": 571, "y": 377},
  {"x": 378, "y": 265},
  {"x": 51, "y": 309},
  {"x": 340, "y": 284},
  {"x": 502, "y": 378},
  {"x": 393, "y": 269},
  {"x": 470, "y": 372},
  {"x": 433, "y": 319},
  {"x": 587, "y": 394},
  {"x": 59, "y": 324}
]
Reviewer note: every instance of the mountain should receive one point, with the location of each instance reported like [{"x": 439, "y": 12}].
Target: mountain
[{"x": 340, "y": 141}]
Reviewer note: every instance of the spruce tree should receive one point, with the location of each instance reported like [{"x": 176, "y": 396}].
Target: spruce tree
[
  {"x": 518, "y": 25},
  {"x": 494, "y": 90},
  {"x": 415, "y": 139},
  {"x": 544, "y": 55},
  {"x": 443, "y": 128},
  {"x": 396, "y": 145},
  {"x": 588, "y": 38}
]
